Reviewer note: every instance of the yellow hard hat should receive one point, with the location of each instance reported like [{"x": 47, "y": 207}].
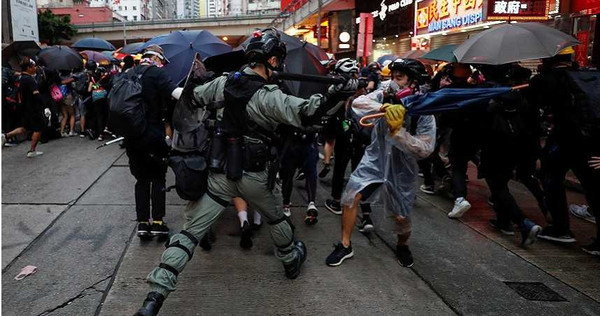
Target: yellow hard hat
[
  {"x": 567, "y": 51},
  {"x": 385, "y": 71}
]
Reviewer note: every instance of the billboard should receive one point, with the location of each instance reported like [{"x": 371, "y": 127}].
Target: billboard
[
  {"x": 517, "y": 10},
  {"x": 445, "y": 15},
  {"x": 24, "y": 20}
]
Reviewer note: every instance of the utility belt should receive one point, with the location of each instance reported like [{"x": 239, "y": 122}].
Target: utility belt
[
  {"x": 304, "y": 137},
  {"x": 234, "y": 155}
]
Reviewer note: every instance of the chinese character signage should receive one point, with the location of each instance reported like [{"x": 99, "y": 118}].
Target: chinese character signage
[
  {"x": 445, "y": 15},
  {"x": 517, "y": 10}
]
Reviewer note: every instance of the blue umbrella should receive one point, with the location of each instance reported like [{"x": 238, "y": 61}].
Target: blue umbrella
[
  {"x": 444, "y": 53},
  {"x": 93, "y": 43},
  {"x": 180, "y": 48},
  {"x": 155, "y": 40},
  {"x": 390, "y": 57},
  {"x": 132, "y": 48}
]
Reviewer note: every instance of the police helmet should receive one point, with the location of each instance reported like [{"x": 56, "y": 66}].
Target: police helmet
[
  {"x": 265, "y": 44},
  {"x": 91, "y": 65},
  {"x": 374, "y": 66},
  {"x": 411, "y": 67}
]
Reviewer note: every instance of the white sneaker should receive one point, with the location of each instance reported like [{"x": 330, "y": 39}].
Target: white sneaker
[
  {"x": 71, "y": 134},
  {"x": 461, "y": 206},
  {"x": 31, "y": 154},
  {"x": 64, "y": 134},
  {"x": 287, "y": 210},
  {"x": 3, "y": 137},
  {"x": 582, "y": 211}
]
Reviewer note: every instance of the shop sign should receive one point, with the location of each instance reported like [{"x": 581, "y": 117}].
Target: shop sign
[
  {"x": 581, "y": 51},
  {"x": 586, "y": 6},
  {"x": 384, "y": 9},
  {"x": 24, "y": 20},
  {"x": 444, "y": 15},
  {"x": 518, "y": 10}
]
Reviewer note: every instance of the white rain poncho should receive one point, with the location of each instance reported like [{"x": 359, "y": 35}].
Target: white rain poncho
[{"x": 390, "y": 160}]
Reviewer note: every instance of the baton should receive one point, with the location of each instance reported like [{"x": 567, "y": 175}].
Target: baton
[
  {"x": 312, "y": 78},
  {"x": 111, "y": 142},
  {"x": 363, "y": 120}
]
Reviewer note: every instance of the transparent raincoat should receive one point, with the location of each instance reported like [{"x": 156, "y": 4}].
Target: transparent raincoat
[{"x": 390, "y": 160}]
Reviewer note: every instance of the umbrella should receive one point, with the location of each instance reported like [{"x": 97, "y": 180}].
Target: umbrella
[
  {"x": 300, "y": 60},
  {"x": 509, "y": 43},
  {"x": 155, "y": 40},
  {"x": 93, "y": 43},
  {"x": 181, "y": 46},
  {"x": 98, "y": 57},
  {"x": 315, "y": 51},
  {"x": 384, "y": 58},
  {"x": 60, "y": 57},
  {"x": 16, "y": 51},
  {"x": 444, "y": 53},
  {"x": 132, "y": 48}
]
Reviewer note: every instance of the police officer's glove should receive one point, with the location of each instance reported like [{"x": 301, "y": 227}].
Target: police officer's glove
[
  {"x": 351, "y": 85},
  {"x": 47, "y": 113},
  {"x": 394, "y": 116}
]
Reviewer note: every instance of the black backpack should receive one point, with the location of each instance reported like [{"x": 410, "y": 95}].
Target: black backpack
[
  {"x": 127, "y": 112},
  {"x": 584, "y": 90}
]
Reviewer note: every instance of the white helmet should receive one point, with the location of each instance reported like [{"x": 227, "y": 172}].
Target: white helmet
[{"x": 346, "y": 66}]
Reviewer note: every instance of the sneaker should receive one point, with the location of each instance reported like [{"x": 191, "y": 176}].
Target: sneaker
[
  {"x": 31, "y": 154},
  {"x": 255, "y": 226},
  {"x": 287, "y": 211},
  {"x": 64, "y": 134},
  {"x": 461, "y": 206},
  {"x": 325, "y": 170},
  {"x": 159, "y": 230},
  {"x": 529, "y": 232},
  {"x": 582, "y": 211},
  {"x": 301, "y": 176},
  {"x": 151, "y": 305},
  {"x": 81, "y": 135},
  {"x": 311, "y": 214},
  {"x": 552, "y": 234},
  {"x": 404, "y": 256},
  {"x": 143, "y": 230},
  {"x": 100, "y": 138},
  {"x": 593, "y": 248},
  {"x": 429, "y": 189},
  {"x": 334, "y": 206},
  {"x": 246, "y": 241},
  {"x": 339, "y": 254},
  {"x": 71, "y": 134},
  {"x": 292, "y": 269},
  {"x": 505, "y": 229},
  {"x": 366, "y": 225}
]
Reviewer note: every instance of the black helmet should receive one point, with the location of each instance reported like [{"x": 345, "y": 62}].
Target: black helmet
[
  {"x": 374, "y": 66},
  {"x": 412, "y": 67},
  {"x": 265, "y": 44},
  {"x": 91, "y": 65}
]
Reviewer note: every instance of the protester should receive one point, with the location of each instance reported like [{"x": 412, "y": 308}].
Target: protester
[
  {"x": 98, "y": 87},
  {"x": 147, "y": 154},
  {"x": 32, "y": 104},
  {"x": 389, "y": 163},
  {"x": 67, "y": 105},
  {"x": 252, "y": 109}
]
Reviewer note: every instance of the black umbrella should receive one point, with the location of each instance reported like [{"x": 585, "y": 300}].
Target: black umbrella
[
  {"x": 300, "y": 60},
  {"x": 509, "y": 43},
  {"x": 93, "y": 43},
  {"x": 60, "y": 57},
  {"x": 16, "y": 51}
]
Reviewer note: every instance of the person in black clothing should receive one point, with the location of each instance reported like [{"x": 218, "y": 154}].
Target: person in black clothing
[
  {"x": 32, "y": 104},
  {"x": 98, "y": 87},
  {"x": 147, "y": 154},
  {"x": 567, "y": 147}
]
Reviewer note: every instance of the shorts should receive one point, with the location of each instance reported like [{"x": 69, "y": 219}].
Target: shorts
[{"x": 34, "y": 121}]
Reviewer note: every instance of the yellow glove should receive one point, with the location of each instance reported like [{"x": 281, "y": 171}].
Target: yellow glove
[{"x": 394, "y": 116}]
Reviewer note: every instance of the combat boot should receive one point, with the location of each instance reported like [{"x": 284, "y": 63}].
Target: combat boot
[
  {"x": 292, "y": 269},
  {"x": 151, "y": 305}
]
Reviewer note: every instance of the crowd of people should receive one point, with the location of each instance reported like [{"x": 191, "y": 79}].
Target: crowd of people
[{"x": 262, "y": 135}]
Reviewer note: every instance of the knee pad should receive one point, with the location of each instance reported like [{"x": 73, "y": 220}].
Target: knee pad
[
  {"x": 282, "y": 232},
  {"x": 184, "y": 241}
]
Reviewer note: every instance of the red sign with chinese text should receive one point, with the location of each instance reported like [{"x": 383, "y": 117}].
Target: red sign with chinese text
[
  {"x": 517, "y": 10},
  {"x": 585, "y": 6},
  {"x": 581, "y": 51}
]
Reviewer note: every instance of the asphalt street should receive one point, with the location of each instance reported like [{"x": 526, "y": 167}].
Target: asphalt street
[{"x": 71, "y": 214}]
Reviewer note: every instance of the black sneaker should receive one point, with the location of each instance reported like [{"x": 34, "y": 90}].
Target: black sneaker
[
  {"x": 159, "y": 230},
  {"x": 593, "y": 248},
  {"x": 292, "y": 269},
  {"x": 404, "y": 256},
  {"x": 143, "y": 230},
  {"x": 334, "y": 206},
  {"x": 505, "y": 229},
  {"x": 246, "y": 241},
  {"x": 366, "y": 225},
  {"x": 256, "y": 227},
  {"x": 325, "y": 171},
  {"x": 151, "y": 305},
  {"x": 552, "y": 234},
  {"x": 339, "y": 254}
]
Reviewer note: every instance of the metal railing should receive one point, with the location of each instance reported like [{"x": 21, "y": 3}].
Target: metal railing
[{"x": 178, "y": 21}]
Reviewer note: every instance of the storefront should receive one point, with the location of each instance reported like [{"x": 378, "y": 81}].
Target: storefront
[
  {"x": 390, "y": 24},
  {"x": 584, "y": 29}
]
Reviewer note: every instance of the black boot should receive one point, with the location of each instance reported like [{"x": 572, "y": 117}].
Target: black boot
[
  {"x": 151, "y": 305},
  {"x": 292, "y": 269}
]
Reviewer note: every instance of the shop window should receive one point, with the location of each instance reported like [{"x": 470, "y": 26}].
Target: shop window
[
  {"x": 135, "y": 17},
  {"x": 134, "y": 8}
]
